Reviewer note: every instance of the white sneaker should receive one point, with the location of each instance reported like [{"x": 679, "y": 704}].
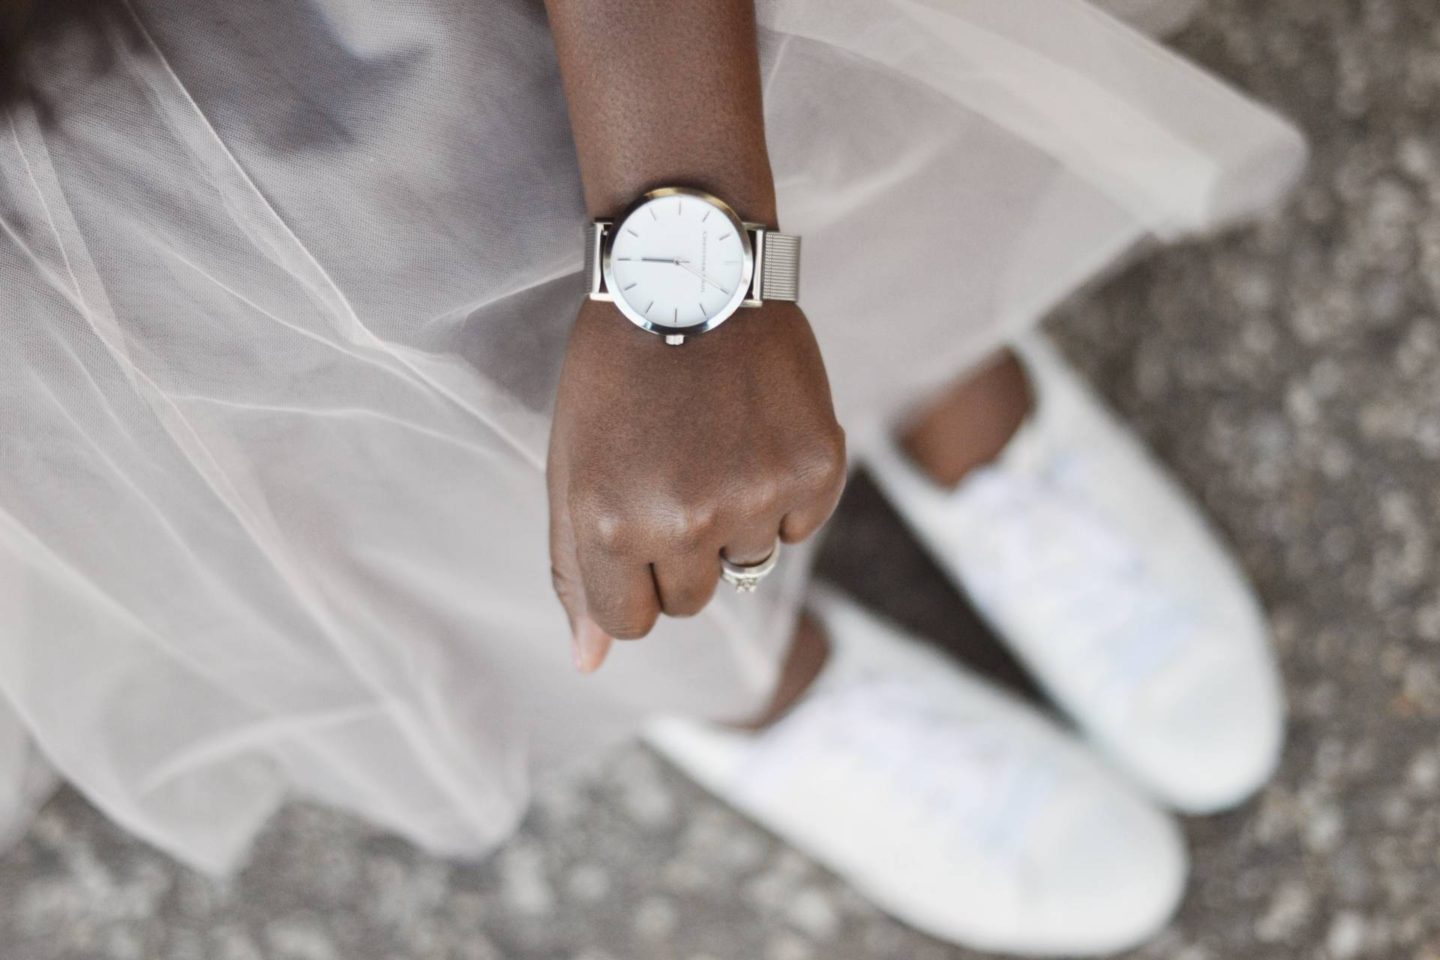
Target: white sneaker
[
  {"x": 950, "y": 805},
  {"x": 1093, "y": 566}
]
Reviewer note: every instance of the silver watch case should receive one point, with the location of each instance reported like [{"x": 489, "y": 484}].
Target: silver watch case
[{"x": 750, "y": 292}]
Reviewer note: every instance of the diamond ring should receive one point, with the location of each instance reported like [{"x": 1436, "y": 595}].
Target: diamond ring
[{"x": 746, "y": 577}]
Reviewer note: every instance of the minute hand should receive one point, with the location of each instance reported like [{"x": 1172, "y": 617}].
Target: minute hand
[{"x": 704, "y": 277}]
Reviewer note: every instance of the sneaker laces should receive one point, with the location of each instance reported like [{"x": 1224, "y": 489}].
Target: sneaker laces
[
  {"x": 893, "y": 746},
  {"x": 1039, "y": 546}
]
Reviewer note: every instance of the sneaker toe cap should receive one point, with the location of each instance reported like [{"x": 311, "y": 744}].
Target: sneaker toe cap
[
  {"x": 1209, "y": 741},
  {"x": 1111, "y": 879}
]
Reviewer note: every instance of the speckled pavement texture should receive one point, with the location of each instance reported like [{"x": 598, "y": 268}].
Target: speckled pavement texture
[{"x": 1290, "y": 373}]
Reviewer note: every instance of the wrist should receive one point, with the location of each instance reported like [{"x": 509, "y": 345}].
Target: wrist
[
  {"x": 752, "y": 329},
  {"x": 748, "y": 188}
]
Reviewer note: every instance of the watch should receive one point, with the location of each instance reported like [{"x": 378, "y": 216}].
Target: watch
[{"x": 680, "y": 261}]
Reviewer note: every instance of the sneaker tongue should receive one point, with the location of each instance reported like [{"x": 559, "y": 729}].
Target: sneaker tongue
[
  {"x": 880, "y": 746},
  {"x": 1073, "y": 591},
  {"x": 1028, "y": 451}
]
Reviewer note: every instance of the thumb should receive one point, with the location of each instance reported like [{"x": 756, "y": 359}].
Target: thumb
[{"x": 589, "y": 644}]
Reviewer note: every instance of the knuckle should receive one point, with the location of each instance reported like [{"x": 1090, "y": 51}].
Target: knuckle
[
  {"x": 824, "y": 465},
  {"x": 764, "y": 495},
  {"x": 609, "y": 534},
  {"x": 608, "y": 529},
  {"x": 694, "y": 523}
]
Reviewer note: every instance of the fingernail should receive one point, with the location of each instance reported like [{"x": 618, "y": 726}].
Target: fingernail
[{"x": 591, "y": 645}]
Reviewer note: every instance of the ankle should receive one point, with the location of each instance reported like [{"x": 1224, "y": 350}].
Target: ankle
[{"x": 971, "y": 423}]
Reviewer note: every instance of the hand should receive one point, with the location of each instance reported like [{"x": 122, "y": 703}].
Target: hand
[{"x": 662, "y": 458}]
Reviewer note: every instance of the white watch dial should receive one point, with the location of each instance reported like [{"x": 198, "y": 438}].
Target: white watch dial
[{"x": 679, "y": 261}]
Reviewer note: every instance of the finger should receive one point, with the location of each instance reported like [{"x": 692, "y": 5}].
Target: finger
[
  {"x": 619, "y": 593},
  {"x": 687, "y": 583},
  {"x": 752, "y": 546},
  {"x": 802, "y": 522},
  {"x": 565, "y": 570},
  {"x": 821, "y": 483},
  {"x": 589, "y": 645},
  {"x": 801, "y": 525},
  {"x": 592, "y": 646}
]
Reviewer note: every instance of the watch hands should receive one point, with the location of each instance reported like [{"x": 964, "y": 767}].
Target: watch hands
[
  {"x": 679, "y": 262},
  {"x": 702, "y": 276}
]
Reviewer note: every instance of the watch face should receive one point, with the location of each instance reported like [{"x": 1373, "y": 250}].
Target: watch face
[{"x": 680, "y": 260}]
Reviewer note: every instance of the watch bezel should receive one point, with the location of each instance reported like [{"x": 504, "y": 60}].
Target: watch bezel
[{"x": 747, "y": 264}]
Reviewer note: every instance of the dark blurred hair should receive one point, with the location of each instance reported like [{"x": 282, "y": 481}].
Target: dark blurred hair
[
  {"x": 27, "y": 24},
  {"x": 15, "y": 16}
]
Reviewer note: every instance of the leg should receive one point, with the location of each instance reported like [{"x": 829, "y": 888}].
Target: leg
[{"x": 971, "y": 422}]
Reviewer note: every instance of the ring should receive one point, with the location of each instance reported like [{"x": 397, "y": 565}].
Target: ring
[{"x": 745, "y": 578}]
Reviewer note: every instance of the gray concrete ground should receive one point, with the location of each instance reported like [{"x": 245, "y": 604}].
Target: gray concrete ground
[{"x": 1290, "y": 374}]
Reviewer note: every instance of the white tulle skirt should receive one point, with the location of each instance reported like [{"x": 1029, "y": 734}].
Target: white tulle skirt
[{"x": 283, "y": 292}]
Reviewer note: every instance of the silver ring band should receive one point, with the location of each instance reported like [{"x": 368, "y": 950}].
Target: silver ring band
[{"x": 746, "y": 577}]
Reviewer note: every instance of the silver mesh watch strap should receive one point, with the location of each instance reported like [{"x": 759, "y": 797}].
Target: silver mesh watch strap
[{"x": 779, "y": 266}]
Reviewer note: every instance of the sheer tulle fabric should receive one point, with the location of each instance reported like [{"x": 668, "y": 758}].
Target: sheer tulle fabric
[{"x": 284, "y": 295}]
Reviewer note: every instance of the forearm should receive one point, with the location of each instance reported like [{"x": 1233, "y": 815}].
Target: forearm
[
  {"x": 664, "y": 460},
  {"x": 665, "y": 92}
]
